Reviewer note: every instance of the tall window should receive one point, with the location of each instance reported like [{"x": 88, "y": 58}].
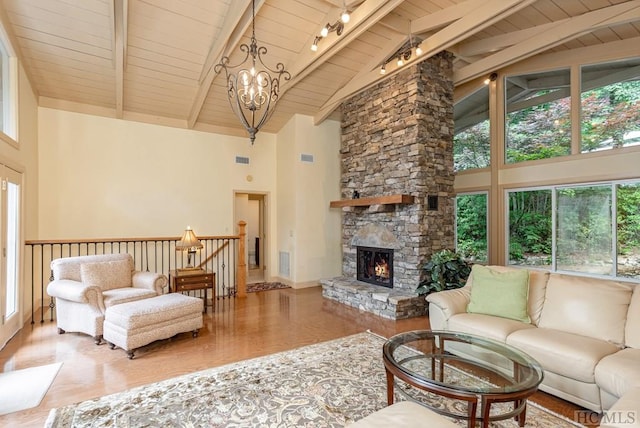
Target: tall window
[
  {"x": 610, "y": 102},
  {"x": 3, "y": 62},
  {"x": 530, "y": 231},
  {"x": 584, "y": 233},
  {"x": 538, "y": 118},
  {"x": 10, "y": 297},
  {"x": 628, "y": 229},
  {"x": 472, "y": 226},
  {"x": 471, "y": 139},
  {"x": 595, "y": 228},
  {"x": 8, "y": 90}
]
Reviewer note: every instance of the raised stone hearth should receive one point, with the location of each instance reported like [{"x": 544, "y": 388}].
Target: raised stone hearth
[
  {"x": 388, "y": 303},
  {"x": 397, "y": 143}
]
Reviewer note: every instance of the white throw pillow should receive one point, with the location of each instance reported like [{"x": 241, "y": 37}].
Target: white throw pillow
[{"x": 107, "y": 275}]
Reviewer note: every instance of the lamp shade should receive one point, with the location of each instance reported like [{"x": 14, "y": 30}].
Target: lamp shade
[{"x": 188, "y": 241}]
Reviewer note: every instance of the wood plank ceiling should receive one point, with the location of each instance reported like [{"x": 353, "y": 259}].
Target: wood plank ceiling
[{"x": 152, "y": 60}]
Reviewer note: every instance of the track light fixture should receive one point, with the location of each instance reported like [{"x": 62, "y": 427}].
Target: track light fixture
[
  {"x": 337, "y": 26},
  {"x": 403, "y": 54}
]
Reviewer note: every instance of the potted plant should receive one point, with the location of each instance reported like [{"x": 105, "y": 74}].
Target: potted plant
[{"x": 445, "y": 270}]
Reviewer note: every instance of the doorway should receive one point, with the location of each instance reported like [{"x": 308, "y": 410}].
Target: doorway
[
  {"x": 250, "y": 207},
  {"x": 10, "y": 239}
]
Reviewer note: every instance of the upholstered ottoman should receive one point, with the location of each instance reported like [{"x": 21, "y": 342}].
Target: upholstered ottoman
[
  {"x": 135, "y": 324},
  {"x": 403, "y": 414}
]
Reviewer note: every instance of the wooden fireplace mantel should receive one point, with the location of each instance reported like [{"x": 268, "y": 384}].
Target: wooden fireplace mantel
[{"x": 376, "y": 200}]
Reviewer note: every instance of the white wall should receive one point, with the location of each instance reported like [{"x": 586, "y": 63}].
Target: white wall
[
  {"x": 103, "y": 177},
  {"x": 307, "y": 228}
]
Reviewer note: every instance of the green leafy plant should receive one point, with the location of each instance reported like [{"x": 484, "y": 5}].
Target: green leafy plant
[{"x": 445, "y": 270}]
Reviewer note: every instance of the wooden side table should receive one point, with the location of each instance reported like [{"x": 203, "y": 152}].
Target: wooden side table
[{"x": 190, "y": 280}]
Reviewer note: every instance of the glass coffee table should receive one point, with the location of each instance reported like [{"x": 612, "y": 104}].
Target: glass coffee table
[{"x": 461, "y": 368}]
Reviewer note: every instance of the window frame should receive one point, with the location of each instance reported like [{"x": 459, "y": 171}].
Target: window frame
[
  {"x": 613, "y": 184},
  {"x": 506, "y": 104},
  {"x": 10, "y": 106},
  {"x": 486, "y": 193}
]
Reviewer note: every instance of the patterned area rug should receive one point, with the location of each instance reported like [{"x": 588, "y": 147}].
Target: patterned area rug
[
  {"x": 329, "y": 384},
  {"x": 263, "y": 286}
]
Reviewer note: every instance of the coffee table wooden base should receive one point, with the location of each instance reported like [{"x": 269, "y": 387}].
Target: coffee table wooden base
[
  {"x": 421, "y": 364},
  {"x": 519, "y": 412}
]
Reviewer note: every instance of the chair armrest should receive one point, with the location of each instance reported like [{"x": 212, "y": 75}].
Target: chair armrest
[
  {"x": 150, "y": 280},
  {"x": 451, "y": 302},
  {"x": 75, "y": 291}
]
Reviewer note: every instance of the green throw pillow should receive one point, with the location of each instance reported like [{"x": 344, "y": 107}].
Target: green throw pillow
[{"x": 503, "y": 294}]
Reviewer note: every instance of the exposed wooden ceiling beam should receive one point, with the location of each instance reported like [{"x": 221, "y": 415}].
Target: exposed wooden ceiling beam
[
  {"x": 438, "y": 20},
  {"x": 496, "y": 43},
  {"x": 445, "y": 16},
  {"x": 237, "y": 22},
  {"x": 475, "y": 18},
  {"x": 363, "y": 18},
  {"x": 349, "y": 3},
  {"x": 544, "y": 40},
  {"x": 396, "y": 23},
  {"x": 120, "y": 10}
]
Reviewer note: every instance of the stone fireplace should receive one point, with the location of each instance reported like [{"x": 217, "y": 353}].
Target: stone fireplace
[{"x": 397, "y": 187}]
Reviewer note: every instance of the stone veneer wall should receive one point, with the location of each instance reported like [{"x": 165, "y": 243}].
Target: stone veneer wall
[{"x": 397, "y": 138}]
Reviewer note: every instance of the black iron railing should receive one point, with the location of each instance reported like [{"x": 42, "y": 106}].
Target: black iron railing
[{"x": 220, "y": 254}]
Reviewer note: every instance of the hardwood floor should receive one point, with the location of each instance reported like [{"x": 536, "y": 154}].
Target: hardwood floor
[{"x": 261, "y": 324}]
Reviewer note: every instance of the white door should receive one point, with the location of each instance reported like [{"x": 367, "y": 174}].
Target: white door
[{"x": 10, "y": 238}]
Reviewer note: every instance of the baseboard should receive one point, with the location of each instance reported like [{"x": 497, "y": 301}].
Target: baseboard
[
  {"x": 295, "y": 285},
  {"x": 307, "y": 284}
]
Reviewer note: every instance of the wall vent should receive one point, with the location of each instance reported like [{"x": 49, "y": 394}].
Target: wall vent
[
  {"x": 283, "y": 264},
  {"x": 242, "y": 159},
  {"x": 306, "y": 158}
]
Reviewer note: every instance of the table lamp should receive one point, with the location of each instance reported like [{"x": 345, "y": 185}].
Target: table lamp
[{"x": 189, "y": 243}]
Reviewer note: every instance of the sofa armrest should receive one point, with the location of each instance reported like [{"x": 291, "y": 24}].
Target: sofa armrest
[
  {"x": 149, "y": 280},
  {"x": 75, "y": 291},
  {"x": 451, "y": 302}
]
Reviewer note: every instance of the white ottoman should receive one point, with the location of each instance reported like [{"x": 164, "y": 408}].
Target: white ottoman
[
  {"x": 404, "y": 414},
  {"x": 134, "y": 324}
]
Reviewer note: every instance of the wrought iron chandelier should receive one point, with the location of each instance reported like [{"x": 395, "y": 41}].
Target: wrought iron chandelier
[{"x": 253, "y": 89}]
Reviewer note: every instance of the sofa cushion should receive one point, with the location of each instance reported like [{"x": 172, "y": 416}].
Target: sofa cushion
[
  {"x": 537, "y": 288},
  {"x": 486, "y": 325},
  {"x": 632, "y": 328},
  {"x": 625, "y": 413},
  {"x": 563, "y": 353},
  {"x": 502, "y": 294},
  {"x": 589, "y": 307},
  {"x": 107, "y": 275},
  {"x": 619, "y": 372}
]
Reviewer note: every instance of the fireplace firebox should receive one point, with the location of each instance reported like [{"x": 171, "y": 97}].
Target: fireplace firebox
[{"x": 375, "y": 266}]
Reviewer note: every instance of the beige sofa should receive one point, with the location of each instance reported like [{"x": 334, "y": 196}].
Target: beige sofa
[
  {"x": 85, "y": 286},
  {"x": 585, "y": 332}
]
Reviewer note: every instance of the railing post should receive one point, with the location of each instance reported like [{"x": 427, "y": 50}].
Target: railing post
[{"x": 241, "y": 279}]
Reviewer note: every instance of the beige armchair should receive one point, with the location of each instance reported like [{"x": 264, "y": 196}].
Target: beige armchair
[{"x": 85, "y": 286}]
